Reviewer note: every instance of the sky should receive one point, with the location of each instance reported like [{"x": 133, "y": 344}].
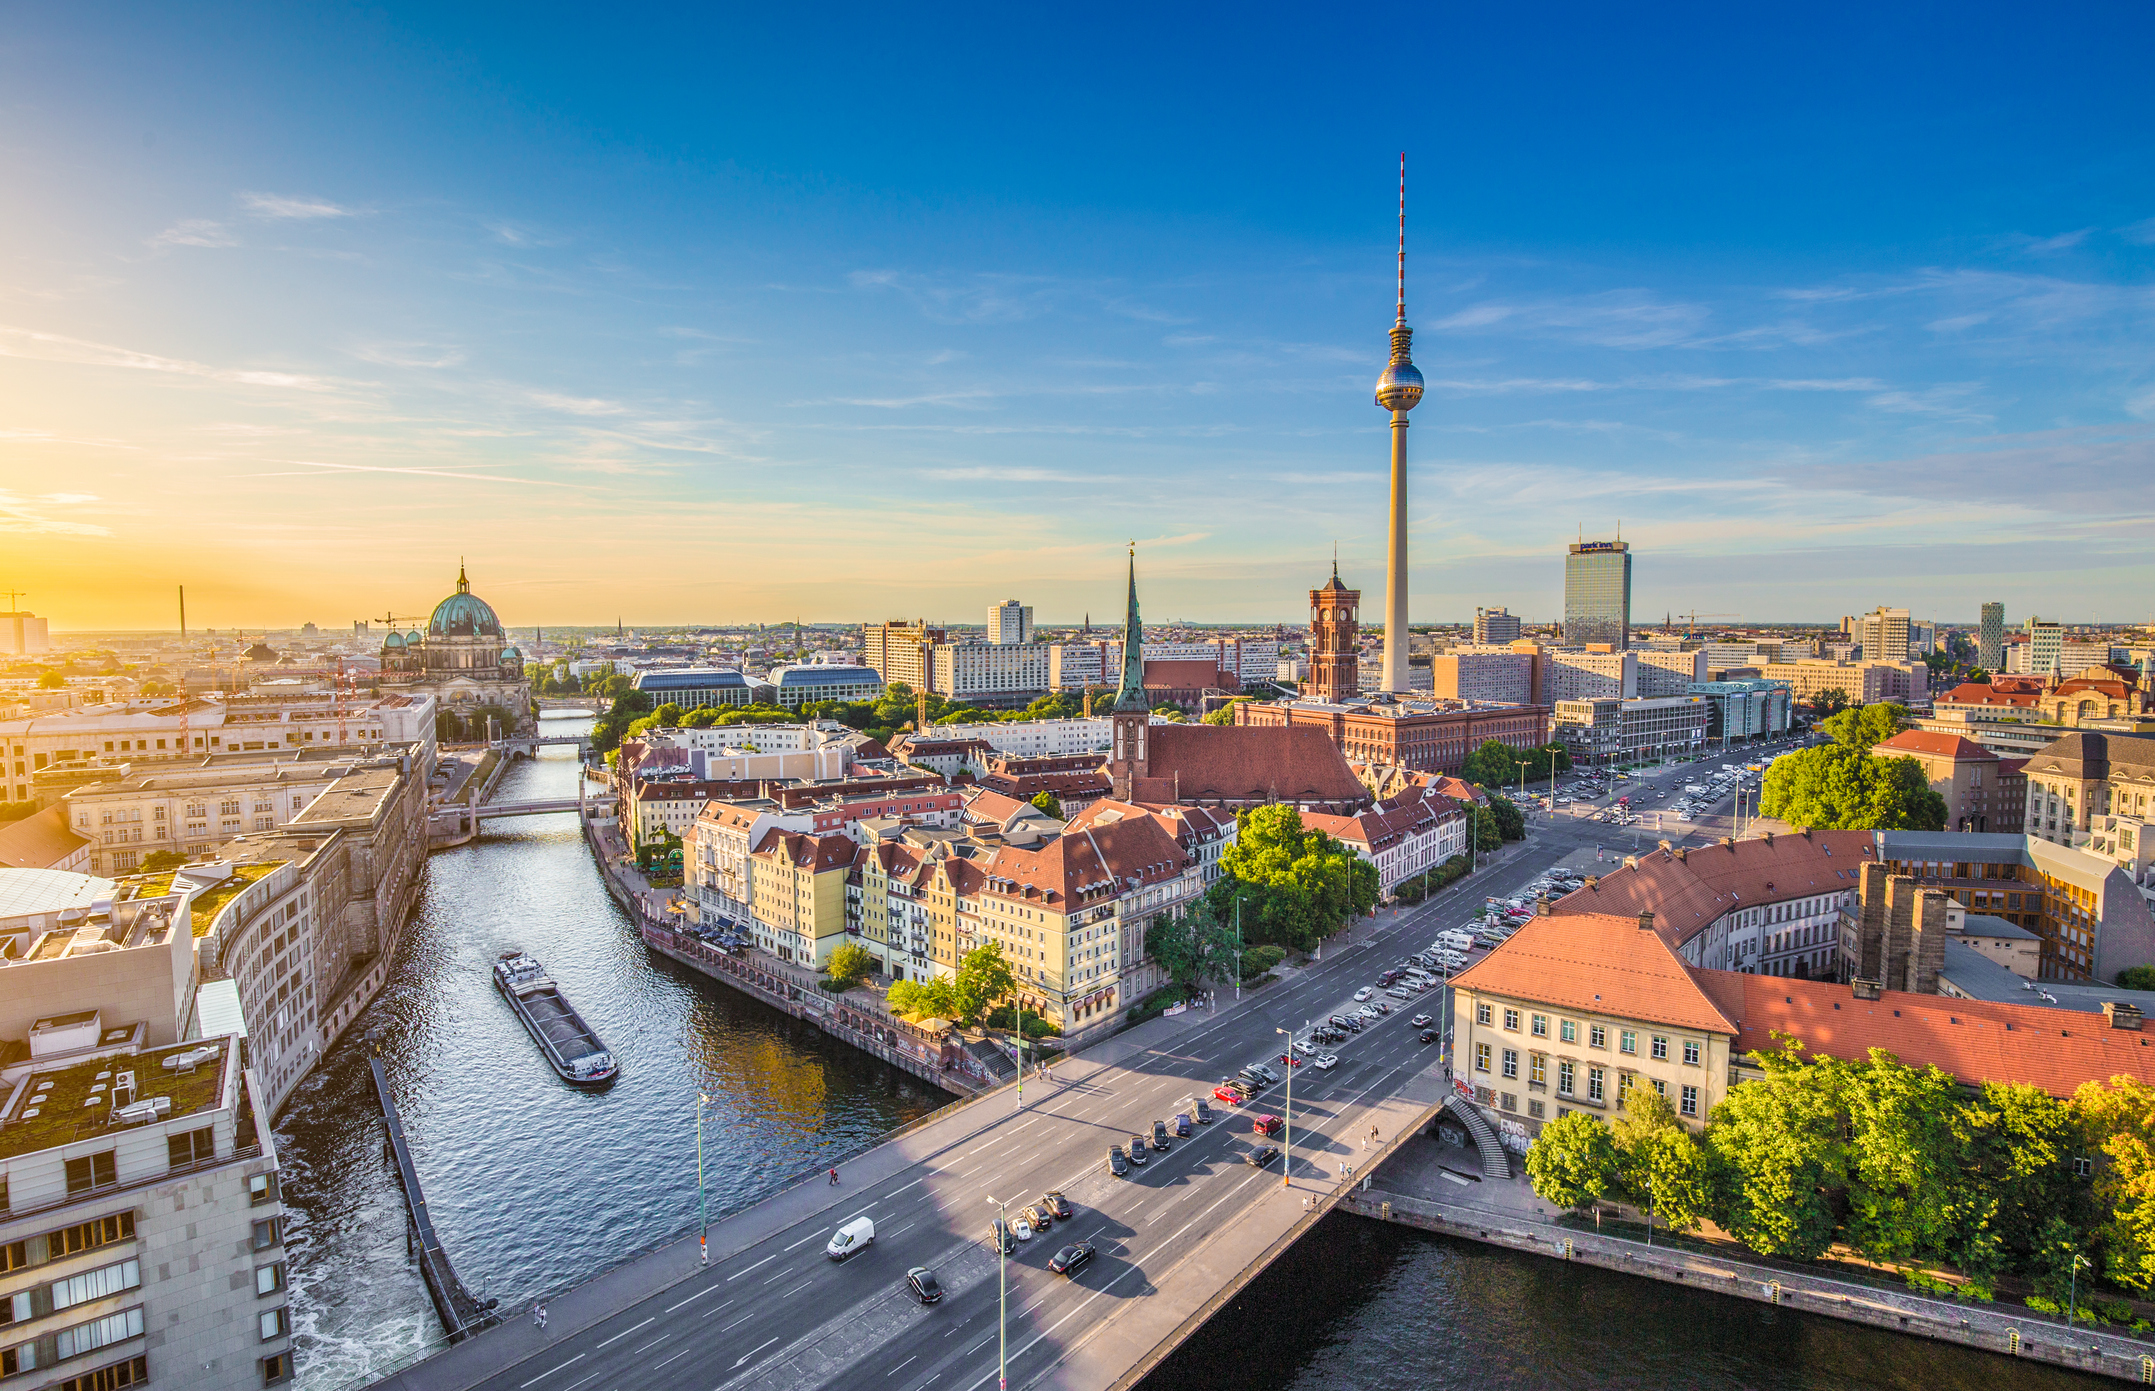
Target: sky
[{"x": 727, "y": 314}]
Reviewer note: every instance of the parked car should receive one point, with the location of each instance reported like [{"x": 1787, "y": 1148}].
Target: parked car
[
  {"x": 1182, "y": 1125},
  {"x": 1261, "y": 1156},
  {"x": 1204, "y": 1112},
  {"x": 1266, "y": 1125},
  {"x": 1137, "y": 1150},
  {"x": 1290, "y": 1060},
  {"x": 1265, "y": 1070},
  {"x": 1117, "y": 1163},
  {"x": 1159, "y": 1136},
  {"x": 921, "y": 1284},
  {"x": 1001, "y": 1237},
  {"x": 1228, "y": 1095},
  {"x": 1021, "y": 1229},
  {"x": 1071, "y": 1259},
  {"x": 1057, "y": 1205},
  {"x": 1364, "y": 993},
  {"x": 1038, "y": 1217}
]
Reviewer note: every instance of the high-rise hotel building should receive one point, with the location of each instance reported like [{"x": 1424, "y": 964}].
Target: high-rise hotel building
[{"x": 1597, "y": 594}]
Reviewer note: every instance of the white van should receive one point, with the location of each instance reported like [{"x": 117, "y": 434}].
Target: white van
[
  {"x": 1455, "y": 940},
  {"x": 850, "y": 1240}
]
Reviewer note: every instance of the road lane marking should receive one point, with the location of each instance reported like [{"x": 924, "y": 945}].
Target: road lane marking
[
  {"x": 748, "y": 1354},
  {"x": 802, "y": 1242},
  {"x": 675, "y": 1358},
  {"x": 584, "y": 1378},
  {"x": 690, "y": 1300},
  {"x": 553, "y": 1369},
  {"x": 652, "y": 1344},
  {"x": 765, "y": 1261},
  {"x": 903, "y": 1365},
  {"x": 796, "y": 1289},
  {"x": 626, "y": 1331}
]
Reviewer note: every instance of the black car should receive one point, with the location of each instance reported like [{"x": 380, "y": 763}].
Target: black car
[
  {"x": 920, "y": 1283},
  {"x": 1137, "y": 1150},
  {"x": 1159, "y": 1135},
  {"x": 1117, "y": 1164},
  {"x": 1261, "y": 1156},
  {"x": 1057, "y": 1205},
  {"x": 1182, "y": 1125},
  {"x": 1004, "y": 1239},
  {"x": 1204, "y": 1112},
  {"x": 1071, "y": 1259},
  {"x": 1429, "y": 1035}
]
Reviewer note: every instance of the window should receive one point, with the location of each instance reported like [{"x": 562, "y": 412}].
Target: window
[
  {"x": 268, "y": 1279},
  {"x": 1481, "y": 1057},
  {"x": 133, "y": 1372},
  {"x": 1534, "y": 1109},
  {"x": 91, "y": 1172},
  {"x": 1627, "y": 1041},
  {"x": 1511, "y": 1020},
  {"x": 276, "y": 1369},
  {"x": 96, "y": 1284},
  {"x": 1596, "y": 1036},
  {"x": 2083, "y": 1166},
  {"x": 84, "y": 1236},
  {"x": 1661, "y": 1048},
  {"x": 1625, "y": 1081},
  {"x": 1566, "y": 1074},
  {"x": 1538, "y": 1069},
  {"x": 261, "y": 1188},
  {"x": 1691, "y": 1052},
  {"x": 1661, "y": 1088},
  {"x": 1482, "y": 1014},
  {"x": 1594, "y": 1084},
  {"x": 275, "y": 1323},
  {"x": 266, "y": 1233},
  {"x": 194, "y": 1147},
  {"x": 1511, "y": 1062},
  {"x": 1541, "y": 1026},
  {"x": 1690, "y": 1104},
  {"x": 1567, "y": 1031},
  {"x": 97, "y": 1333}
]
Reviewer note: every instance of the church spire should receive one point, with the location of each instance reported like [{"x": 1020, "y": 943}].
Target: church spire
[
  {"x": 463, "y": 586},
  {"x": 1131, "y": 694}
]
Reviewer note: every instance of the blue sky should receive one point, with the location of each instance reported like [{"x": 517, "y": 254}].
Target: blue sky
[{"x": 732, "y": 315}]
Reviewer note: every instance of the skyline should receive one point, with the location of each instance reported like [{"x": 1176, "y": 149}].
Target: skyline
[{"x": 642, "y": 329}]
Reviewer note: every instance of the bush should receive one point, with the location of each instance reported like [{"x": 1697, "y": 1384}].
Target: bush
[
  {"x": 2044, "y": 1306},
  {"x": 834, "y": 986},
  {"x": 1005, "y": 1017},
  {"x": 850, "y": 963},
  {"x": 1923, "y": 1282},
  {"x": 1153, "y": 1005},
  {"x": 2115, "y": 1310},
  {"x": 1260, "y": 959}
]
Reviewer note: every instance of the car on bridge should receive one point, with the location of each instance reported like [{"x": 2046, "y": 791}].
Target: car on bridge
[
  {"x": 921, "y": 1284},
  {"x": 1137, "y": 1150},
  {"x": 1261, "y": 1156},
  {"x": 1072, "y": 1258}
]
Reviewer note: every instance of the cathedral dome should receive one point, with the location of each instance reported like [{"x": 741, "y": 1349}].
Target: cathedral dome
[
  {"x": 393, "y": 642},
  {"x": 463, "y": 614}
]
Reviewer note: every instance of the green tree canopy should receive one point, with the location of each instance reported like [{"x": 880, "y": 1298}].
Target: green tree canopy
[
  {"x": 984, "y": 979},
  {"x": 1865, "y": 725},
  {"x": 850, "y": 963},
  {"x": 51, "y": 681},
  {"x": 1843, "y": 787},
  {"x": 1225, "y": 715},
  {"x": 1510, "y": 822},
  {"x": 1047, "y": 802},
  {"x": 2119, "y": 1122},
  {"x": 1661, "y": 1164},
  {"x": 2137, "y": 978},
  {"x": 1498, "y": 764},
  {"x": 1777, "y": 1153},
  {"x": 1574, "y": 1161},
  {"x": 1194, "y": 946},
  {"x": 1298, "y": 886},
  {"x": 1829, "y": 701},
  {"x": 924, "y": 999}
]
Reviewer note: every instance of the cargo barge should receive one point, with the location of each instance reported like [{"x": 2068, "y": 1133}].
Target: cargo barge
[{"x": 572, "y": 1048}]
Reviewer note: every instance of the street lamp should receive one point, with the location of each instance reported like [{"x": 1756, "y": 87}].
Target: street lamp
[
  {"x": 1238, "y": 946},
  {"x": 2072, "y": 1305},
  {"x": 1287, "y": 1150},
  {"x": 1002, "y": 1295},
  {"x": 703, "y": 1210}
]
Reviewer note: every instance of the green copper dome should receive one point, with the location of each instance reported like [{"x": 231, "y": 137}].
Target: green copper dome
[{"x": 463, "y": 614}]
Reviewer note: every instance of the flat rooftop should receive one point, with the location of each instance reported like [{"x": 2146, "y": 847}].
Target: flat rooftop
[
  {"x": 353, "y": 797},
  {"x": 24, "y": 892},
  {"x": 74, "y": 1103}
]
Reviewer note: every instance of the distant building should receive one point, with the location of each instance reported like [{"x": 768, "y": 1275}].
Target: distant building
[
  {"x": 2038, "y": 656},
  {"x": 1334, "y": 644},
  {"x": 1430, "y": 736},
  {"x": 1982, "y": 791},
  {"x": 1002, "y": 673},
  {"x": 1505, "y": 678},
  {"x": 1010, "y": 622},
  {"x": 1990, "y": 645},
  {"x": 1591, "y": 674},
  {"x": 1496, "y": 625},
  {"x": 1743, "y": 709},
  {"x": 464, "y": 659},
  {"x": 1669, "y": 673},
  {"x": 898, "y": 651},
  {"x": 1597, "y": 594},
  {"x": 693, "y": 688},
  {"x": 1883, "y": 635},
  {"x": 22, "y": 634},
  {"x": 811, "y": 683},
  {"x": 1610, "y": 732}
]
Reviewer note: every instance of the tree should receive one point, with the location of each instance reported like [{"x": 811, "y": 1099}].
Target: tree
[
  {"x": 1298, "y": 886},
  {"x": 1510, "y": 821},
  {"x": 1776, "y": 1153},
  {"x": 1573, "y": 1162},
  {"x": 1197, "y": 945},
  {"x": 1225, "y": 715},
  {"x": 50, "y": 681},
  {"x": 924, "y": 999},
  {"x": 1047, "y": 803},
  {"x": 1843, "y": 787},
  {"x": 2020, "y": 1141},
  {"x": 2119, "y": 1121},
  {"x": 1908, "y": 1194},
  {"x": 1171, "y": 713},
  {"x": 2137, "y": 978},
  {"x": 158, "y": 860},
  {"x": 984, "y": 978},
  {"x": 1864, "y": 725},
  {"x": 1662, "y": 1166},
  {"x": 850, "y": 963},
  {"x": 1830, "y": 701}
]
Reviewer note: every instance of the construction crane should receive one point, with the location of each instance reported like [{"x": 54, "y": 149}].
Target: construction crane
[{"x": 1692, "y": 619}]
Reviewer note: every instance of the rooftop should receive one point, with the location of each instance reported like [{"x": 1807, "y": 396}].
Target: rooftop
[
  {"x": 1598, "y": 963},
  {"x": 24, "y": 892},
  {"x": 74, "y": 1103},
  {"x": 353, "y": 797},
  {"x": 206, "y": 904}
]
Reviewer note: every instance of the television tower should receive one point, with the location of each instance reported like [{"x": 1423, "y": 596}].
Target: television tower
[{"x": 1399, "y": 390}]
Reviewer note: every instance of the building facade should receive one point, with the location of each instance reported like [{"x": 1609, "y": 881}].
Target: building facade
[
  {"x": 465, "y": 660},
  {"x": 1593, "y": 675},
  {"x": 1883, "y": 635},
  {"x": 1334, "y": 641},
  {"x": 1990, "y": 640},
  {"x": 1010, "y": 621},
  {"x": 1495, "y": 626},
  {"x": 1597, "y": 594},
  {"x": 1982, "y": 791},
  {"x": 1425, "y": 736},
  {"x": 1610, "y": 733},
  {"x": 1493, "y": 678},
  {"x": 898, "y": 651}
]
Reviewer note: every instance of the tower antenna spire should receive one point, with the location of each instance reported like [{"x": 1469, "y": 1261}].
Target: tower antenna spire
[{"x": 1402, "y": 316}]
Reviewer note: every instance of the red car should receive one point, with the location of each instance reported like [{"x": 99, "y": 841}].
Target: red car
[
  {"x": 1290, "y": 1060},
  {"x": 1228, "y": 1095}
]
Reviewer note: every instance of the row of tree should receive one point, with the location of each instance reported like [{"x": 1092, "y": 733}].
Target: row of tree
[
  {"x": 1901, "y": 1165},
  {"x": 1497, "y": 764},
  {"x": 1843, "y": 786}
]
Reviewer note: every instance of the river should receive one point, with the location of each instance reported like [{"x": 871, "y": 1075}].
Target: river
[{"x": 534, "y": 1186}]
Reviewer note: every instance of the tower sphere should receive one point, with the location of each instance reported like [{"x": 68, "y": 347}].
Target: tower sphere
[{"x": 1400, "y": 388}]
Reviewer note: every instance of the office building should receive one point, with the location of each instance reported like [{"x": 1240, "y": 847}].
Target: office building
[
  {"x": 1990, "y": 644},
  {"x": 1491, "y": 678},
  {"x": 1592, "y": 675},
  {"x": 1597, "y": 594},
  {"x": 1883, "y": 635},
  {"x": 2045, "y": 645},
  {"x": 1664, "y": 673},
  {"x": 1010, "y": 621},
  {"x": 693, "y": 688},
  {"x": 898, "y": 651},
  {"x": 1744, "y": 708},
  {"x": 1496, "y": 625},
  {"x": 1609, "y": 731},
  {"x": 1432, "y": 736},
  {"x": 810, "y": 683},
  {"x": 22, "y": 634},
  {"x": 1077, "y": 666}
]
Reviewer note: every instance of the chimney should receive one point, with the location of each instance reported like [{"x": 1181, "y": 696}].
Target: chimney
[
  {"x": 2122, "y": 1015},
  {"x": 1593, "y": 881},
  {"x": 1730, "y": 842},
  {"x": 1926, "y": 952},
  {"x": 1865, "y": 989},
  {"x": 1769, "y": 837},
  {"x": 1541, "y": 906},
  {"x": 1683, "y": 853},
  {"x": 1646, "y": 922},
  {"x": 1665, "y": 845}
]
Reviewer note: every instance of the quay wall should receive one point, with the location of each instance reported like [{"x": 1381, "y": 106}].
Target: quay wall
[{"x": 1991, "y": 1328}]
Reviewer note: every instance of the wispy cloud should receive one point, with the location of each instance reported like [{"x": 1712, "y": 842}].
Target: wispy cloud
[
  {"x": 1610, "y": 319},
  {"x": 971, "y": 299},
  {"x": 995, "y": 474},
  {"x": 577, "y": 405},
  {"x": 280, "y": 205},
  {"x": 53, "y": 347},
  {"x": 32, "y": 515},
  {"x": 314, "y": 468},
  {"x": 410, "y": 354},
  {"x": 2048, "y": 246},
  {"x": 194, "y": 231}
]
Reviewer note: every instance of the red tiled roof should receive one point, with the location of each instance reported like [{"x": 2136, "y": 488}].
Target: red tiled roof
[
  {"x": 1686, "y": 894},
  {"x": 1975, "y": 693},
  {"x": 1975, "y": 1040},
  {"x": 1247, "y": 763},
  {"x": 1598, "y": 962},
  {"x": 1925, "y": 745},
  {"x": 38, "y": 841},
  {"x": 818, "y": 853},
  {"x": 1101, "y": 860}
]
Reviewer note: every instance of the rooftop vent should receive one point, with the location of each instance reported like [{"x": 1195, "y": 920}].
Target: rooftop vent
[
  {"x": 2122, "y": 1015},
  {"x": 1866, "y": 989}
]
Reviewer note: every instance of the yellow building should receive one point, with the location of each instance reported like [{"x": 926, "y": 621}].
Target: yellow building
[
  {"x": 798, "y": 895},
  {"x": 1575, "y": 1011}
]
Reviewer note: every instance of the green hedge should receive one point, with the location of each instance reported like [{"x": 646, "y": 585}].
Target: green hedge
[{"x": 1155, "y": 1004}]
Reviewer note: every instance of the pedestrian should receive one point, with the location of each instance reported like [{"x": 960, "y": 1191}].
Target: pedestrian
[
  {"x": 538, "y": 1316},
  {"x": 834, "y": 1178}
]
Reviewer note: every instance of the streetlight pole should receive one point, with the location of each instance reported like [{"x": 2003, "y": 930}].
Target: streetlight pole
[
  {"x": 1287, "y": 1150},
  {"x": 1238, "y": 946},
  {"x": 1020, "y": 1006},
  {"x": 2072, "y": 1306},
  {"x": 703, "y": 1209},
  {"x": 1002, "y": 1297}
]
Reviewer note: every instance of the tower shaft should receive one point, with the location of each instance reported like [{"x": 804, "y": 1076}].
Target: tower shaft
[{"x": 1395, "y": 570}]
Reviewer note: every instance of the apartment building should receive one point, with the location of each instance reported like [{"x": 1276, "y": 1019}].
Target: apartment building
[
  {"x": 1982, "y": 791},
  {"x": 1587, "y": 674},
  {"x": 986, "y": 671},
  {"x": 1496, "y": 678},
  {"x": 1497, "y": 625},
  {"x": 1035, "y": 738},
  {"x": 797, "y": 886},
  {"x": 1861, "y": 682},
  {"x": 1669, "y": 673},
  {"x": 1010, "y": 622},
  {"x": 1883, "y": 635},
  {"x": 194, "y": 809},
  {"x": 1404, "y": 837},
  {"x": 898, "y": 651},
  {"x": 1990, "y": 643},
  {"x": 142, "y": 1242},
  {"x": 1075, "y": 666}
]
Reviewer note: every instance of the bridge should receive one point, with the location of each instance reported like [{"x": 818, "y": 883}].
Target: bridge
[
  {"x": 544, "y": 806},
  {"x": 1176, "y": 1239}
]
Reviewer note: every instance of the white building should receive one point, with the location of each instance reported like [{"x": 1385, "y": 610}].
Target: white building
[
  {"x": 1883, "y": 635},
  {"x": 967, "y": 671},
  {"x": 1010, "y": 622},
  {"x": 1034, "y": 738},
  {"x": 1575, "y": 674},
  {"x": 1072, "y": 666},
  {"x": 1669, "y": 673}
]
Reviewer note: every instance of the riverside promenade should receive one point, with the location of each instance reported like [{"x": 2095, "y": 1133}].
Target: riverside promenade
[{"x": 1438, "y": 1187}]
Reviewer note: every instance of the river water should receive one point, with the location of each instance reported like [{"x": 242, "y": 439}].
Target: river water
[{"x": 534, "y": 1186}]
